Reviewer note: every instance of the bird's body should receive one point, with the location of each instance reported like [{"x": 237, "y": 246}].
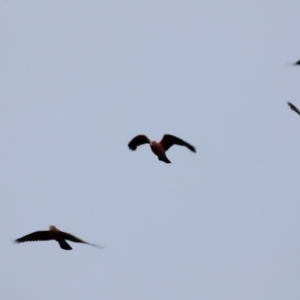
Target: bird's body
[
  {"x": 159, "y": 148},
  {"x": 53, "y": 234},
  {"x": 58, "y": 236},
  {"x": 159, "y": 151}
]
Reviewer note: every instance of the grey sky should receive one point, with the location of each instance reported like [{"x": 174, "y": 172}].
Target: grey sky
[{"x": 79, "y": 79}]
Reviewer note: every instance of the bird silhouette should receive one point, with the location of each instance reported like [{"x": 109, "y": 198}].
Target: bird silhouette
[
  {"x": 53, "y": 234},
  {"x": 294, "y": 108},
  {"x": 159, "y": 148}
]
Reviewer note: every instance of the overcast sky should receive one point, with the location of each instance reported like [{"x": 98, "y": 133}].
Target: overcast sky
[{"x": 79, "y": 79}]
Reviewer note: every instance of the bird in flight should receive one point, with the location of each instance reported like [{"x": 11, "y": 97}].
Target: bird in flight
[
  {"x": 159, "y": 149},
  {"x": 294, "y": 108},
  {"x": 53, "y": 234}
]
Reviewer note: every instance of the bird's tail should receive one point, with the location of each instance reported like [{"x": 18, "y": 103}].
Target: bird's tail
[
  {"x": 64, "y": 245},
  {"x": 164, "y": 159}
]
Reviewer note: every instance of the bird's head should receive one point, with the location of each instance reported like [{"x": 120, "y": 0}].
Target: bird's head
[
  {"x": 152, "y": 142},
  {"x": 52, "y": 228}
]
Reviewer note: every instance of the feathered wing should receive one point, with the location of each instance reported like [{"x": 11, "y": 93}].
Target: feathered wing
[
  {"x": 294, "y": 108},
  {"x": 138, "y": 141},
  {"x": 169, "y": 140},
  {"x": 72, "y": 238},
  {"x": 35, "y": 236}
]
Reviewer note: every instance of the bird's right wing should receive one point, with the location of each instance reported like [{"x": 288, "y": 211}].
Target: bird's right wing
[
  {"x": 35, "y": 236},
  {"x": 72, "y": 238},
  {"x": 137, "y": 141}
]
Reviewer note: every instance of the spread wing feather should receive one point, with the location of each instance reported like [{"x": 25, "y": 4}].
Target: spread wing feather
[
  {"x": 169, "y": 140},
  {"x": 138, "y": 141},
  {"x": 35, "y": 236}
]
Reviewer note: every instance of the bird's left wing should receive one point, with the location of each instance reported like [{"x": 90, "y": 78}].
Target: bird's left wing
[{"x": 169, "y": 140}]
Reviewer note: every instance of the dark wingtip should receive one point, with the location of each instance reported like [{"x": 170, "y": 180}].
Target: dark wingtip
[
  {"x": 192, "y": 148},
  {"x": 18, "y": 241},
  {"x": 97, "y": 246},
  {"x": 132, "y": 148}
]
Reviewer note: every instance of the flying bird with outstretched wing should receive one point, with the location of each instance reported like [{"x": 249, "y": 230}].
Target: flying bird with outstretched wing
[
  {"x": 294, "y": 108},
  {"x": 159, "y": 148},
  {"x": 53, "y": 234}
]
